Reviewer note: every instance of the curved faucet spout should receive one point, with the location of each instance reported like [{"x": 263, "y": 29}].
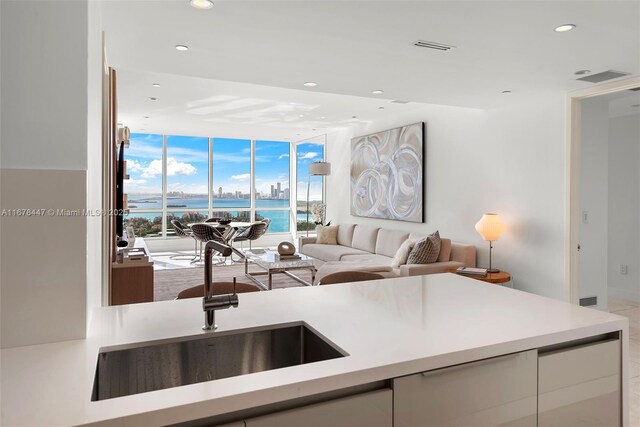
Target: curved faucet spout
[{"x": 210, "y": 302}]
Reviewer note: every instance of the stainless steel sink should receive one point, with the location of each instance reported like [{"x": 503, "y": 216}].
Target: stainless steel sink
[{"x": 159, "y": 365}]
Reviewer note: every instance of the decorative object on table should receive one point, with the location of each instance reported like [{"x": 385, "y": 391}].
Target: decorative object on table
[
  {"x": 286, "y": 248},
  {"x": 426, "y": 250},
  {"x": 327, "y": 235},
  {"x": 292, "y": 257},
  {"x": 316, "y": 169},
  {"x": 490, "y": 228},
  {"x": 387, "y": 174},
  {"x": 472, "y": 271}
]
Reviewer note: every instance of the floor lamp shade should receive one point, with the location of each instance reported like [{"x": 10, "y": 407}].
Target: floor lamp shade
[
  {"x": 320, "y": 168},
  {"x": 316, "y": 169}
]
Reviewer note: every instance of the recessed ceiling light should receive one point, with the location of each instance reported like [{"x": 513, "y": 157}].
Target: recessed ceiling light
[
  {"x": 354, "y": 117},
  {"x": 582, "y": 72},
  {"x": 156, "y": 85},
  {"x": 201, "y": 4},
  {"x": 323, "y": 117},
  {"x": 153, "y": 99},
  {"x": 377, "y": 92},
  {"x": 145, "y": 117},
  {"x": 564, "y": 28},
  {"x": 301, "y": 115},
  {"x": 182, "y": 48},
  {"x": 310, "y": 84},
  {"x": 506, "y": 91}
]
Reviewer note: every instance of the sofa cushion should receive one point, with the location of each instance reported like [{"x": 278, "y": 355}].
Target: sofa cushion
[
  {"x": 445, "y": 250},
  {"x": 345, "y": 234},
  {"x": 329, "y": 252},
  {"x": 426, "y": 250},
  {"x": 368, "y": 259},
  {"x": 327, "y": 235},
  {"x": 389, "y": 241},
  {"x": 364, "y": 238}
]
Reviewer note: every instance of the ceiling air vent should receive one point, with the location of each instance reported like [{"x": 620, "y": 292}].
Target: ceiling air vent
[
  {"x": 605, "y": 75},
  {"x": 432, "y": 45}
]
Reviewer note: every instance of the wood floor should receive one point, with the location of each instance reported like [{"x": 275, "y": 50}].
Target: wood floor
[{"x": 631, "y": 310}]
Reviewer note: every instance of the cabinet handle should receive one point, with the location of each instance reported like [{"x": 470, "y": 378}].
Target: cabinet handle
[{"x": 470, "y": 364}]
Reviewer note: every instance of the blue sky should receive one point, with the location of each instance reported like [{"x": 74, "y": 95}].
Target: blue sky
[{"x": 187, "y": 165}]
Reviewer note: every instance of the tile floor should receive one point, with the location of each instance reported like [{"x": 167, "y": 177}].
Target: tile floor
[{"x": 631, "y": 310}]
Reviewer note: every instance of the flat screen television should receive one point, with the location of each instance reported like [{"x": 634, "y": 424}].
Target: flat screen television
[{"x": 120, "y": 238}]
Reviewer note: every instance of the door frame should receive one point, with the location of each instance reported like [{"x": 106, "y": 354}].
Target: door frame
[{"x": 572, "y": 176}]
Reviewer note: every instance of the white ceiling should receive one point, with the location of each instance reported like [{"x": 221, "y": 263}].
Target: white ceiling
[
  {"x": 352, "y": 48},
  {"x": 214, "y": 108}
]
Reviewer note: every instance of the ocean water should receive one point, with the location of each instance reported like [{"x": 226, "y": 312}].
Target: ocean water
[{"x": 180, "y": 206}]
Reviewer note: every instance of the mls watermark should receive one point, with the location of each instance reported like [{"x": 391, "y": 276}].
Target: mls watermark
[{"x": 26, "y": 212}]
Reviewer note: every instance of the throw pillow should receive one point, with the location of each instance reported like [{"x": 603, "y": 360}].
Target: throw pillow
[
  {"x": 403, "y": 253},
  {"x": 426, "y": 250},
  {"x": 327, "y": 235}
]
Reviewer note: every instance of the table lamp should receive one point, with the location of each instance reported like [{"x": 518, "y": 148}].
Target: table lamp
[
  {"x": 316, "y": 169},
  {"x": 490, "y": 228}
]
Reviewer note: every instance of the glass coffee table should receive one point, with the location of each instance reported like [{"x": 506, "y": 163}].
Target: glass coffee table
[{"x": 270, "y": 262}]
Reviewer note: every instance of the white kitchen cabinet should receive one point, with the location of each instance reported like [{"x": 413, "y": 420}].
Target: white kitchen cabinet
[
  {"x": 373, "y": 409},
  {"x": 580, "y": 386},
  {"x": 490, "y": 392}
]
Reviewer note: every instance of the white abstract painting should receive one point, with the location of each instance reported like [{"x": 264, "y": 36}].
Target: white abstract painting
[{"x": 387, "y": 174}]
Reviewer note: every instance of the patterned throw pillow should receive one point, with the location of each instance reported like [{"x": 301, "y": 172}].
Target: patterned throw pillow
[
  {"x": 327, "y": 235},
  {"x": 426, "y": 250}
]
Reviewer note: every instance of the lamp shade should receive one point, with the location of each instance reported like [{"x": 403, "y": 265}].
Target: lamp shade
[
  {"x": 490, "y": 227},
  {"x": 320, "y": 168}
]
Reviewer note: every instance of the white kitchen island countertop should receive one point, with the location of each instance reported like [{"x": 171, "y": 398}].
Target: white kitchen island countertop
[{"x": 389, "y": 328}]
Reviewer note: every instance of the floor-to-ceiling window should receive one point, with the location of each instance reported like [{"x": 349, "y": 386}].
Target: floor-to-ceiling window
[
  {"x": 231, "y": 184},
  {"x": 187, "y": 176},
  {"x": 308, "y": 152},
  {"x": 192, "y": 178},
  {"x": 145, "y": 186},
  {"x": 272, "y": 184}
]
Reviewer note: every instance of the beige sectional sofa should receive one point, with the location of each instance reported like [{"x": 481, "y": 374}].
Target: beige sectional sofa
[{"x": 362, "y": 246}]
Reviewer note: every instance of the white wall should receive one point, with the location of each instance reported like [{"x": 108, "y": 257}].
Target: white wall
[
  {"x": 624, "y": 206},
  {"x": 508, "y": 160},
  {"x": 594, "y": 201},
  {"x": 43, "y": 157}
]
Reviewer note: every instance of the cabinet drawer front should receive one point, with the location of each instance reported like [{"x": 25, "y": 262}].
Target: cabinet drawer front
[
  {"x": 497, "y": 391},
  {"x": 364, "y": 410},
  {"x": 580, "y": 386}
]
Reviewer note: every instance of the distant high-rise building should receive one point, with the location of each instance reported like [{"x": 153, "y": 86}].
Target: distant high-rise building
[
  {"x": 279, "y": 189},
  {"x": 220, "y": 192},
  {"x": 273, "y": 191},
  {"x": 286, "y": 194}
]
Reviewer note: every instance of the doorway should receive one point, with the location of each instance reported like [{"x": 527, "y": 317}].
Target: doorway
[{"x": 573, "y": 243}]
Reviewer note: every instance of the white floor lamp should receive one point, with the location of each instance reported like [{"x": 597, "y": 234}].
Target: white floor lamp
[{"x": 316, "y": 169}]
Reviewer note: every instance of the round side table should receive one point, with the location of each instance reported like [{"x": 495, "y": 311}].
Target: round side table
[{"x": 497, "y": 278}]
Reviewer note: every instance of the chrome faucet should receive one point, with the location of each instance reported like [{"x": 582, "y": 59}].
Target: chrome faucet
[{"x": 211, "y": 302}]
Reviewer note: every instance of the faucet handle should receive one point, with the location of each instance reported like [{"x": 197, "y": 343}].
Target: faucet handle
[{"x": 234, "y": 285}]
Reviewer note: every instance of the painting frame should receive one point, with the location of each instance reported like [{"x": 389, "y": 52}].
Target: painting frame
[{"x": 388, "y": 174}]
